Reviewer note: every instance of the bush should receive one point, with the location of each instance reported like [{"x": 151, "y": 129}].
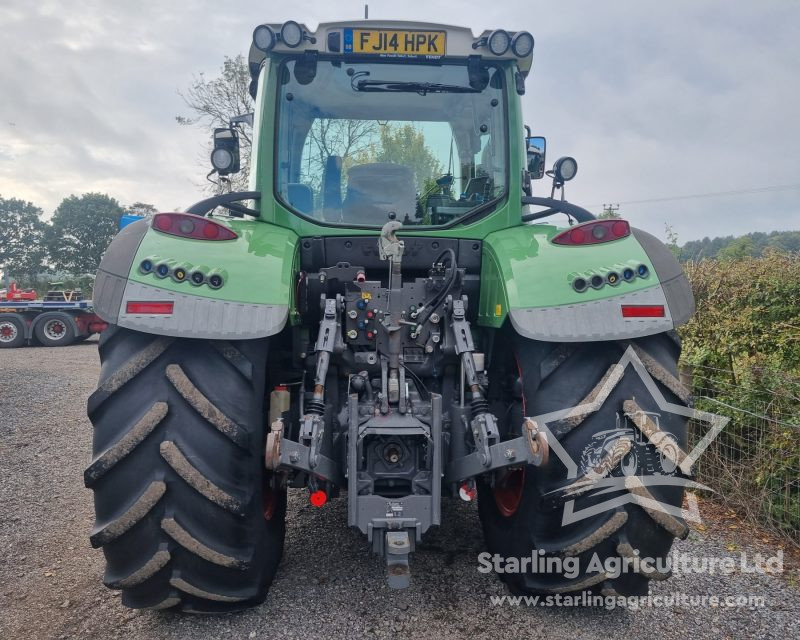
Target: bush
[{"x": 742, "y": 348}]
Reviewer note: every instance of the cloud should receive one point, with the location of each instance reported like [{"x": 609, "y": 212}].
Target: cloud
[{"x": 653, "y": 99}]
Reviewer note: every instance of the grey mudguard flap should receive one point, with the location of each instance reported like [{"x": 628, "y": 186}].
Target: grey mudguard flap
[
  {"x": 192, "y": 315},
  {"x": 602, "y": 319},
  {"x": 592, "y": 321},
  {"x": 198, "y": 317},
  {"x": 674, "y": 282},
  {"x": 112, "y": 274}
]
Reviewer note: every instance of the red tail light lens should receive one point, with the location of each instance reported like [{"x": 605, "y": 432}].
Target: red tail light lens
[
  {"x": 642, "y": 310},
  {"x": 164, "y": 308},
  {"x": 187, "y": 225},
  {"x": 593, "y": 232}
]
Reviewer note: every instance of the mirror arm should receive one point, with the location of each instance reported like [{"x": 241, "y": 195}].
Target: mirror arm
[
  {"x": 555, "y": 206},
  {"x": 241, "y": 210},
  {"x": 246, "y": 118},
  {"x": 228, "y": 201}
]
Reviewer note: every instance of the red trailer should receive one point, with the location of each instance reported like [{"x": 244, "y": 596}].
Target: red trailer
[{"x": 50, "y": 323}]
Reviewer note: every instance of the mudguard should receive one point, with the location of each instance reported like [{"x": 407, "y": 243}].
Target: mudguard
[
  {"x": 253, "y": 302},
  {"x": 528, "y": 279}
]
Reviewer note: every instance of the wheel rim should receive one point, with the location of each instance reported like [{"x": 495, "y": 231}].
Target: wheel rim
[
  {"x": 55, "y": 329},
  {"x": 8, "y": 332},
  {"x": 508, "y": 492}
]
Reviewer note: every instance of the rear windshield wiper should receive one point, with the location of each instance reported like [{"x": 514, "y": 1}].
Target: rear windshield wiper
[{"x": 422, "y": 88}]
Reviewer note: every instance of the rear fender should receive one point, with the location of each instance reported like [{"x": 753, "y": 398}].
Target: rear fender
[
  {"x": 253, "y": 302},
  {"x": 529, "y": 280}
]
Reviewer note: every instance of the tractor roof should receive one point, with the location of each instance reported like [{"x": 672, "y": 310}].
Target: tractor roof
[{"x": 347, "y": 39}]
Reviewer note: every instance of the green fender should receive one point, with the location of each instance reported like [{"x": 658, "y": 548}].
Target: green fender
[
  {"x": 253, "y": 302},
  {"x": 529, "y": 280}
]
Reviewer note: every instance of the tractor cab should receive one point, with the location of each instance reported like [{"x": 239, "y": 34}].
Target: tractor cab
[{"x": 368, "y": 122}]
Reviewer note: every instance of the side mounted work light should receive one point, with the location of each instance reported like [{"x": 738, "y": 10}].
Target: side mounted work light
[{"x": 225, "y": 156}]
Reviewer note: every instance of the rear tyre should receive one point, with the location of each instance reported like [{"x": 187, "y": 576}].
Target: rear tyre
[
  {"x": 12, "y": 332},
  {"x": 54, "y": 330},
  {"x": 186, "y": 516},
  {"x": 523, "y": 516}
]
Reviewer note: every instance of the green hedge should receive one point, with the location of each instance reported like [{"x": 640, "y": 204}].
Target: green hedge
[{"x": 742, "y": 348}]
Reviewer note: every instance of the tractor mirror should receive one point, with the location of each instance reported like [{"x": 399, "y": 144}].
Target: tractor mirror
[
  {"x": 225, "y": 156},
  {"x": 536, "y": 147}
]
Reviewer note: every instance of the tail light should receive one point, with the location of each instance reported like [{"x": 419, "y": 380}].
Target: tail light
[
  {"x": 643, "y": 311},
  {"x": 149, "y": 308},
  {"x": 187, "y": 225},
  {"x": 594, "y": 232}
]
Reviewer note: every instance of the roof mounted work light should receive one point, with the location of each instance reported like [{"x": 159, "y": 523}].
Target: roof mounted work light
[
  {"x": 291, "y": 34},
  {"x": 522, "y": 44},
  {"x": 264, "y": 38},
  {"x": 498, "y": 42}
]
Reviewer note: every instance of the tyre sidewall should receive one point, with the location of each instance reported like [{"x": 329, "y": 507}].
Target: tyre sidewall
[
  {"x": 19, "y": 339},
  {"x": 70, "y": 330}
]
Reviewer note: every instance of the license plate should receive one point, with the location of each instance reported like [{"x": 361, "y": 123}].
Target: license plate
[{"x": 395, "y": 42}]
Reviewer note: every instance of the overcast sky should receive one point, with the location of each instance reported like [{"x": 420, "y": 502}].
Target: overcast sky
[{"x": 654, "y": 99}]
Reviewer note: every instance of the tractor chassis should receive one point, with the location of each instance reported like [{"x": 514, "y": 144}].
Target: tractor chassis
[{"x": 394, "y": 450}]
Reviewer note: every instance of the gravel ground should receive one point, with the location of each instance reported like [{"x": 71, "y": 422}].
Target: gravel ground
[{"x": 328, "y": 586}]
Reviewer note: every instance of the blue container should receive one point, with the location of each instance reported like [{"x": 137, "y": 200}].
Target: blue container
[{"x": 128, "y": 219}]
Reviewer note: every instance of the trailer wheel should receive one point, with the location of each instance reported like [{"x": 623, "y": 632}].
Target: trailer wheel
[
  {"x": 54, "y": 330},
  {"x": 12, "y": 332},
  {"x": 526, "y": 518},
  {"x": 178, "y": 473}
]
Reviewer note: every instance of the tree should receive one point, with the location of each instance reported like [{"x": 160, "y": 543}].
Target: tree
[
  {"x": 81, "y": 230},
  {"x": 141, "y": 209},
  {"x": 214, "y": 102},
  {"x": 405, "y": 145},
  {"x": 740, "y": 248},
  {"x": 336, "y": 137},
  {"x": 672, "y": 241},
  {"x": 22, "y": 250}
]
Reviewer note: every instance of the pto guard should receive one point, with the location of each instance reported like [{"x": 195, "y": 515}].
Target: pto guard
[
  {"x": 254, "y": 303},
  {"x": 530, "y": 276}
]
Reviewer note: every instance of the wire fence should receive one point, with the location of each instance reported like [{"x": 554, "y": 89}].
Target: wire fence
[{"x": 754, "y": 463}]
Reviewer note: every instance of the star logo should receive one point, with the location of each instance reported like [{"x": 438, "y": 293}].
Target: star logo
[{"x": 618, "y": 447}]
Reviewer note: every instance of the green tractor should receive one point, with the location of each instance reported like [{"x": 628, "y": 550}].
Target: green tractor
[{"x": 383, "y": 318}]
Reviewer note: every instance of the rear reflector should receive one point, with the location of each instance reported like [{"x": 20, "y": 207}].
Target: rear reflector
[
  {"x": 318, "y": 498},
  {"x": 149, "y": 307},
  {"x": 642, "y": 310}
]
